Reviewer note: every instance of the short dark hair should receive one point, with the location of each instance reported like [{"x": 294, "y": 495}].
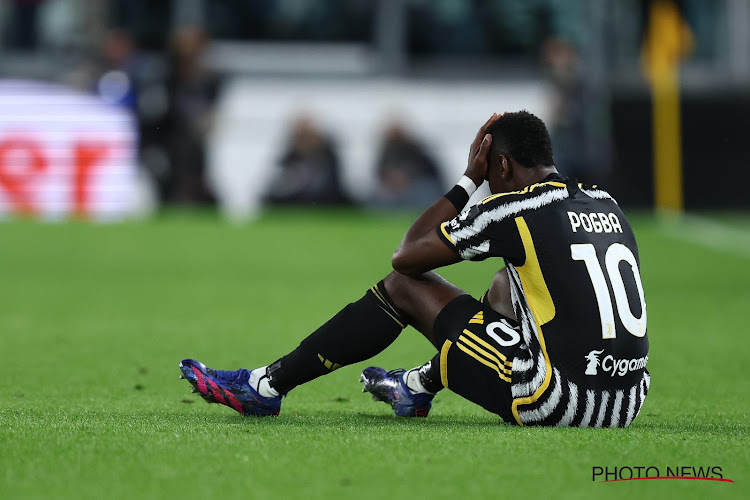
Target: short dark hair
[{"x": 522, "y": 137}]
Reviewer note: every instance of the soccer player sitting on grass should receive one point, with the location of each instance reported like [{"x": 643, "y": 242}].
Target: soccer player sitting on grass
[{"x": 558, "y": 339}]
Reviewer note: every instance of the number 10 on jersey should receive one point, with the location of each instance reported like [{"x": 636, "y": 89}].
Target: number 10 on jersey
[{"x": 616, "y": 253}]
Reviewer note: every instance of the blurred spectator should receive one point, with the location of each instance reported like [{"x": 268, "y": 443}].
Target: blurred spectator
[
  {"x": 117, "y": 71},
  {"x": 567, "y": 125},
  {"x": 122, "y": 74},
  {"x": 407, "y": 175},
  {"x": 192, "y": 91},
  {"x": 309, "y": 169}
]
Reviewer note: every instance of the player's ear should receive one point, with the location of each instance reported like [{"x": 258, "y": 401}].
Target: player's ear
[{"x": 506, "y": 170}]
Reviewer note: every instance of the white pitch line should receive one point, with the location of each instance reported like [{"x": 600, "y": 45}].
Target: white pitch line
[{"x": 710, "y": 233}]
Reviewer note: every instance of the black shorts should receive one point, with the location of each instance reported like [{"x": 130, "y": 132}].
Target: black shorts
[{"x": 478, "y": 345}]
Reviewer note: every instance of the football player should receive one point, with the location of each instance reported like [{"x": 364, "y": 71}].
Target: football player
[{"x": 560, "y": 336}]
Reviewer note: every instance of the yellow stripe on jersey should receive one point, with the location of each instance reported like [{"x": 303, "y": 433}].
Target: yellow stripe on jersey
[
  {"x": 478, "y": 318},
  {"x": 483, "y": 361},
  {"x": 527, "y": 189},
  {"x": 445, "y": 233},
  {"x": 488, "y": 346},
  {"x": 444, "y": 362},
  {"x": 478, "y": 350},
  {"x": 534, "y": 287},
  {"x": 542, "y": 308}
]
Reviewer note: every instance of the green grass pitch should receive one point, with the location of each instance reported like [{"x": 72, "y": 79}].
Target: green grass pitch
[{"x": 94, "y": 319}]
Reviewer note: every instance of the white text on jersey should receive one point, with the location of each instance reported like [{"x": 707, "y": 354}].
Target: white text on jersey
[{"x": 596, "y": 222}]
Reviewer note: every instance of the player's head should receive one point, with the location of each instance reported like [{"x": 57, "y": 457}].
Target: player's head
[{"x": 521, "y": 151}]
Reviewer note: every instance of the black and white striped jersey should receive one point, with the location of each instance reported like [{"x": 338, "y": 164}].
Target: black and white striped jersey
[{"x": 574, "y": 271}]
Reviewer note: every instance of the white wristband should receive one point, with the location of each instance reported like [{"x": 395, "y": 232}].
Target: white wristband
[{"x": 467, "y": 184}]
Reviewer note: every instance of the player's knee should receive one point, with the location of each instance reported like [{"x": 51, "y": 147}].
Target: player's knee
[
  {"x": 399, "y": 287},
  {"x": 402, "y": 288}
]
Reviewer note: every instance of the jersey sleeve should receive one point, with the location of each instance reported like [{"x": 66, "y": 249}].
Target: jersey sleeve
[{"x": 480, "y": 232}]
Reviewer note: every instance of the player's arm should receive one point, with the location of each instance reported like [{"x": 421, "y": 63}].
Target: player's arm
[{"x": 421, "y": 248}]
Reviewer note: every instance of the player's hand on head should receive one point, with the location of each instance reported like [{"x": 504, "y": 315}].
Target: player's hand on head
[{"x": 478, "y": 153}]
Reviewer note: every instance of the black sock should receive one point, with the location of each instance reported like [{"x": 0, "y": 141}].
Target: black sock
[
  {"x": 358, "y": 332},
  {"x": 429, "y": 375}
]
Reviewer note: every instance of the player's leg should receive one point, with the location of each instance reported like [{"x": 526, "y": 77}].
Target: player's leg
[
  {"x": 457, "y": 328},
  {"x": 421, "y": 298},
  {"x": 358, "y": 332},
  {"x": 365, "y": 328},
  {"x": 498, "y": 295}
]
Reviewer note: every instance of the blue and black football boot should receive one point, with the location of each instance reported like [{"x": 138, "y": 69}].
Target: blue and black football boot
[
  {"x": 390, "y": 387},
  {"x": 230, "y": 388}
]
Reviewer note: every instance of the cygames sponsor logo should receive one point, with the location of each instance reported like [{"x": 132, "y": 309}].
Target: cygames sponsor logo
[{"x": 613, "y": 366}]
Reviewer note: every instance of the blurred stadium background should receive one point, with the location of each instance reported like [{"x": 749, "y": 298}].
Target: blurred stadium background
[
  {"x": 369, "y": 103},
  {"x": 164, "y": 120}
]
